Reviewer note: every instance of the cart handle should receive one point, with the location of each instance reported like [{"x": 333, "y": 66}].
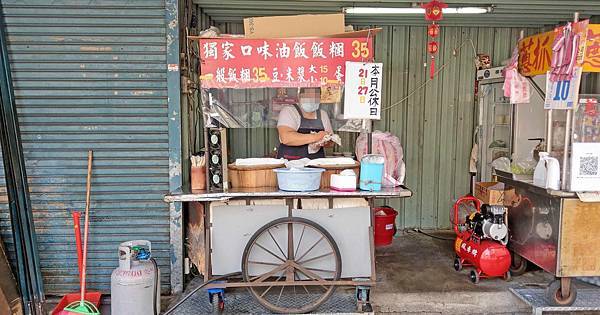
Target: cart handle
[{"x": 458, "y": 202}]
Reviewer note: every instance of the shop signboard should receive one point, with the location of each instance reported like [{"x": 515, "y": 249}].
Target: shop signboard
[
  {"x": 535, "y": 52},
  {"x": 562, "y": 94},
  {"x": 242, "y": 63},
  {"x": 591, "y": 62},
  {"x": 362, "y": 95}
]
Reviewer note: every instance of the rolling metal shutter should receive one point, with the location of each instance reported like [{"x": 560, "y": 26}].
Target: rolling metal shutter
[{"x": 91, "y": 75}]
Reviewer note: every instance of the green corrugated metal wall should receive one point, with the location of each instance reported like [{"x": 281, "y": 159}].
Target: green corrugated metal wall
[
  {"x": 435, "y": 124},
  {"x": 92, "y": 75}
]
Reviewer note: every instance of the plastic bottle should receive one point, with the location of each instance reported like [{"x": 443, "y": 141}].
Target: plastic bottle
[
  {"x": 539, "y": 174},
  {"x": 552, "y": 173},
  {"x": 547, "y": 172}
]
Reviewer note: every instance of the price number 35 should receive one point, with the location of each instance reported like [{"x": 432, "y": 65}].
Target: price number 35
[{"x": 361, "y": 49}]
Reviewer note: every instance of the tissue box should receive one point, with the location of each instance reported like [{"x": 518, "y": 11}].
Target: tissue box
[{"x": 343, "y": 182}]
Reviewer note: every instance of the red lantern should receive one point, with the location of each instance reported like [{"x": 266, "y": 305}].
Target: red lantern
[
  {"x": 432, "y": 47},
  {"x": 433, "y": 10},
  {"x": 433, "y": 30}
]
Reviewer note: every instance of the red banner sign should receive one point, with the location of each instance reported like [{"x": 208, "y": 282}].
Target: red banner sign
[{"x": 256, "y": 63}]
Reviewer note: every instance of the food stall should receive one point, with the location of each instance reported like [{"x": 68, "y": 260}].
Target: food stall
[
  {"x": 554, "y": 211},
  {"x": 260, "y": 226}
]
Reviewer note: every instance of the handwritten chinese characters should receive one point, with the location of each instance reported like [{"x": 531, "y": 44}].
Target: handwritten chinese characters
[
  {"x": 591, "y": 62},
  {"x": 535, "y": 54},
  {"x": 255, "y": 63},
  {"x": 362, "y": 97}
]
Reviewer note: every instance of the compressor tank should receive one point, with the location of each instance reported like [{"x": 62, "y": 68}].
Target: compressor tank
[
  {"x": 135, "y": 284},
  {"x": 489, "y": 257}
]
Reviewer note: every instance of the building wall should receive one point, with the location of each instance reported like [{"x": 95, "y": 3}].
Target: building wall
[
  {"x": 91, "y": 75},
  {"x": 435, "y": 122}
]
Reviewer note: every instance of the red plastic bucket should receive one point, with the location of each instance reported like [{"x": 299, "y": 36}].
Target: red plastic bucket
[{"x": 385, "y": 225}]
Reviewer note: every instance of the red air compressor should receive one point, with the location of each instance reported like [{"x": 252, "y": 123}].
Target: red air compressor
[{"x": 481, "y": 240}]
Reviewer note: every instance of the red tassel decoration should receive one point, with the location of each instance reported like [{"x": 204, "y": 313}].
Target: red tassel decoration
[{"x": 432, "y": 68}]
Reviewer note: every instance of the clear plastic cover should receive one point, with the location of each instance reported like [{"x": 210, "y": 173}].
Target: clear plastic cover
[
  {"x": 259, "y": 108},
  {"x": 586, "y": 123}
]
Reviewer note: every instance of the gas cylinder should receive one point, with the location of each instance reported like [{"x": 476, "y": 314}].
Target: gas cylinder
[{"x": 135, "y": 284}]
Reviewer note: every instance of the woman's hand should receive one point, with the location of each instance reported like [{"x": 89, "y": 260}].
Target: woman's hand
[{"x": 319, "y": 136}]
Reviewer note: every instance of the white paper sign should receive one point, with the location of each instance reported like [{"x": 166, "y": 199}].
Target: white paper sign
[
  {"x": 362, "y": 91},
  {"x": 562, "y": 94},
  {"x": 585, "y": 167}
]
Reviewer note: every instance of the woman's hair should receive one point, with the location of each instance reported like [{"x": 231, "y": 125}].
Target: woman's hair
[{"x": 303, "y": 90}]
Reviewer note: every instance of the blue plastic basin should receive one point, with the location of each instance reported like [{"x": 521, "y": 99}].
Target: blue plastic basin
[{"x": 299, "y": 179}]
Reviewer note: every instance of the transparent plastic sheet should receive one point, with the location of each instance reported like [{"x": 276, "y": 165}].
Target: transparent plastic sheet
[
  {"x": 586, "y": 122},
  {"x": 259, "y": 108}
]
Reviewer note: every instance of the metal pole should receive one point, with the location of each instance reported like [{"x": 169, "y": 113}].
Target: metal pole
[
  {"x": 367, "y": 125},
  {"x": 30, "y": 277},
  {"x": 565, "y": 160}
]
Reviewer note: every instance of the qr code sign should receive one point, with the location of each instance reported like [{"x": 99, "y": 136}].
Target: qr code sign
[{"x": 588, "y": 165}]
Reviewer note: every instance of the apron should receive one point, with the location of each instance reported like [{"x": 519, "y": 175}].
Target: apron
[{"x": 306, "y": 126}]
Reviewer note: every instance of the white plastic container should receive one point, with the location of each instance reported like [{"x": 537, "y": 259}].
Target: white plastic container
[
  {"x": 547, "y": 172},
  {"x": 539, "y": 174},
  {"x": 345, "y": 181},
  {"x": 552, "y": 173}
]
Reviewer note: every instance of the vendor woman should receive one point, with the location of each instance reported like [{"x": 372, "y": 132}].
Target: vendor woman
[{"x": 302, "y": 126}]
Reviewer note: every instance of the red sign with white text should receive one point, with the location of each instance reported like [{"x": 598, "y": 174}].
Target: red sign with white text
[{"x": 257, "y": 63}]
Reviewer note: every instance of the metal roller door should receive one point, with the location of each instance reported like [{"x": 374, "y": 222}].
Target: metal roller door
[{"x": 91, "y": 75}]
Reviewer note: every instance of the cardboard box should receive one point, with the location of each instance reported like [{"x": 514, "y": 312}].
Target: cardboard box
[
  {"x": 493, "y": 193},
  {"x": 294, "y": 26}
]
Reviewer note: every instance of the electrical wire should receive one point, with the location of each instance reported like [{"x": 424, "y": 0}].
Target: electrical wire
[
  {"x": 433, "y": 236},
  {"x": 448, "y": 62},
  {"x": 188, "y": 295}
]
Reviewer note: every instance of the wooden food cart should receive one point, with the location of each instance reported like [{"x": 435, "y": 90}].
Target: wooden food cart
[{"x": 290, "y": 249}]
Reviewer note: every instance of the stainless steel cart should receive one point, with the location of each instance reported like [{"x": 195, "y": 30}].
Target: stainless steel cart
[{"x": 555, "y": 231}]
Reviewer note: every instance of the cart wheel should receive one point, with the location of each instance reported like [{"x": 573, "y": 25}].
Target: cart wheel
[
  {"x": 518, "y": 264},
  {"x": 217, "y": 303},
  {"x": 363, "y": 299},
  {"x": 458, "y": 266},
  {"x": 507, "y": 276},
  {"x": 288, "y": 263},
  {"x": 474, "y": 276},
  {"x": 367, "y": 308},
  {"x": 554, "y": 296}
]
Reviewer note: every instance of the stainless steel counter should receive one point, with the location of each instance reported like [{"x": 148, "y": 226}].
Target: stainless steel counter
[
  {"x": 244, "y": 193},
  {"x": 550, "y": 228}
]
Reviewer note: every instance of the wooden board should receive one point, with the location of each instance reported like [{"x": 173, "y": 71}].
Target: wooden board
[{"x": 580, "y": 239}]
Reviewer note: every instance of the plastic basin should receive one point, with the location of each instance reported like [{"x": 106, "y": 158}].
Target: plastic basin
[{"x": 299, "y": 179}]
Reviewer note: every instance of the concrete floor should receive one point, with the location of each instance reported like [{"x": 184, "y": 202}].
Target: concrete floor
[{"x": 416, "y": 275}]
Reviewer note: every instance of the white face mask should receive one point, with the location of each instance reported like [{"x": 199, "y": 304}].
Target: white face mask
[{"x": 309, "y": 107}]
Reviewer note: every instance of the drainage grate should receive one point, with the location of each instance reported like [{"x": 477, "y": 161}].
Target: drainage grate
[
  {"x": 239, "y": 301},
  {"x": 587, "y": 300}
]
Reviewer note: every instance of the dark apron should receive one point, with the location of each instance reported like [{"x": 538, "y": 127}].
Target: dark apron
[{"x": 306, "y": 126}]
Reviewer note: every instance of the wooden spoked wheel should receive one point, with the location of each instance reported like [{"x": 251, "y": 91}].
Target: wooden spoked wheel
[{"x": 289, "y": 265}]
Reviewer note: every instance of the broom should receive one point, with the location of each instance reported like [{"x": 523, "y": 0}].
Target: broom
[{"x": 82, "y": 306}]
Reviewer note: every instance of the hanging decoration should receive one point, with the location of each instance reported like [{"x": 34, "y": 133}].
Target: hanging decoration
[{"x": 433, "y": 13}]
